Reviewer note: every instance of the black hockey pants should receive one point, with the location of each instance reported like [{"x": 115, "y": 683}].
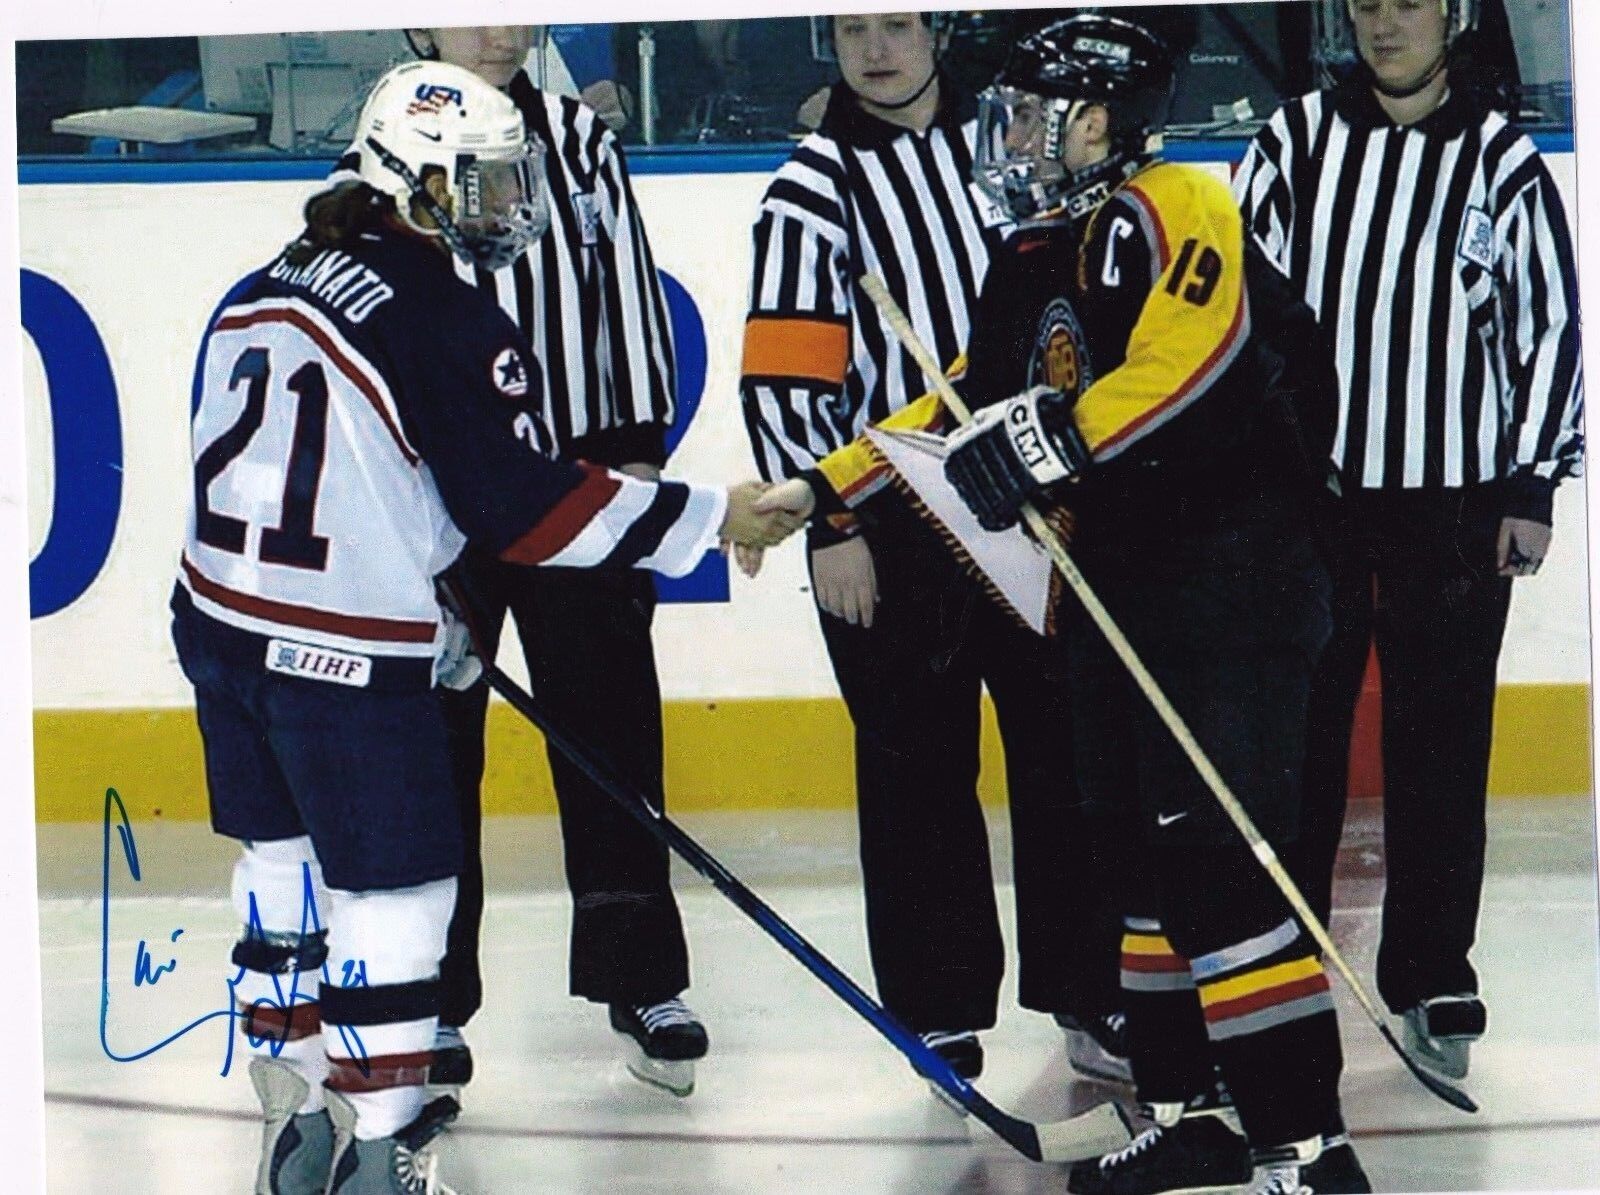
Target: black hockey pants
[{"x": 1229, "y": 618}]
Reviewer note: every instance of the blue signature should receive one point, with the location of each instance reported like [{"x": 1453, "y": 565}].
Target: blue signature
[{"x": 148, "y": 972}]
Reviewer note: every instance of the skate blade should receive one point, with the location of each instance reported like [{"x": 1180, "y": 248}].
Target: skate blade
[
  {"x": 1448, "y": 1059},
  {"x": 676, "y": 1078},
  {"x": 453, "y": 1090}
]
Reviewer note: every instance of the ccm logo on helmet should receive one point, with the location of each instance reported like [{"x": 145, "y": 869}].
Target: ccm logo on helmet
[{"x": 1106, "y": 49}]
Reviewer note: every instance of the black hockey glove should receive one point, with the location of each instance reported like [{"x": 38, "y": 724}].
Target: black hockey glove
[{"x": 1011, "y": 451}]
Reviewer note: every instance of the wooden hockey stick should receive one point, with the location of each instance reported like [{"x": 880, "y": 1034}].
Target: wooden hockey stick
[
  {"x": 1259, "y": 846},
  {"x": 1099, "y": 1130}
]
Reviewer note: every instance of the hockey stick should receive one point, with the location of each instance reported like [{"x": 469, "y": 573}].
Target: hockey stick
[
  {"x": 1100, "y": 1130},
  {"x": 1268, "y": 858}
]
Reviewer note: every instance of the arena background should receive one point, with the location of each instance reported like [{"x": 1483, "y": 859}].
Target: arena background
[{"x": 123, "y": 261}]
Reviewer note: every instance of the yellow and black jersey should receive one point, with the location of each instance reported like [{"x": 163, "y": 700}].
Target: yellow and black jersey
[{"x": 1141, "y": 314}]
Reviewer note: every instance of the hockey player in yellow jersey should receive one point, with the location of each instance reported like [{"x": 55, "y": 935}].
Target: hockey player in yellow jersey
[
  {"x": 1121, "y": 364},
  {"x": 1143, "y": 374}
]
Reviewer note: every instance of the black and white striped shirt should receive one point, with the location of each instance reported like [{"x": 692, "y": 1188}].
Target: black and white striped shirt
[
  {"x": 859, "y": 196},
  {"x": 587, "y": 296},
  {"x": 1438, "y": 258}
]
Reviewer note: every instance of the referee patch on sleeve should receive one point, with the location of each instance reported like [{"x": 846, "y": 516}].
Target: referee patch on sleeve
[{"x": 1477, "y": 238}]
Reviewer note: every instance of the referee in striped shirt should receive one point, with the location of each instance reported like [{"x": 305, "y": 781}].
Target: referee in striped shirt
[
  {"x": 885, "y": 186},
  {"x": 589, "y": 302},
  {"x": 1428, "y": 236}
]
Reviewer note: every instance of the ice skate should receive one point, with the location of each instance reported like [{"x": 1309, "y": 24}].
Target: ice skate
[
  {"x": 296, "y": 1150},
  {"x": 400, "y": 1165},
  {"x": 1317, "y": 1166},
  {"x": 960, "y": 1048},
  {"x": 1191, "y": 1149},
  {"x": 963, "y": 1051},
  {"x": 1098, "y": 1046},
  {"x": 662, "y": 1042},
  {"x": 1439, "y": 1032}
]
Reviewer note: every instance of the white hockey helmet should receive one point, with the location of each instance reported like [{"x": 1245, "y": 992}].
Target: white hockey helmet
[{"x": 425, "y": 116}]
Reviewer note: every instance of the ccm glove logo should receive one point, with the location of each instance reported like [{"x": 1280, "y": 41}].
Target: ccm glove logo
[
  {"x": 1012, "y": 450},
  {"x": 1028, "y": 437}
]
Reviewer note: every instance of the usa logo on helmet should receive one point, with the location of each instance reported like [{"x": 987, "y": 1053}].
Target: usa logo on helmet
[{"x": 433, "y": 97}]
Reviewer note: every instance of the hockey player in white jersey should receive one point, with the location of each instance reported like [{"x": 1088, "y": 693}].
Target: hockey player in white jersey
[{"x": 362, "y": 414}]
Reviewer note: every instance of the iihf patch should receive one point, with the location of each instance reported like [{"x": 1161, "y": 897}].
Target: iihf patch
[
  {"x": 1477, "y": 238},
  {"x": 509, "y": 374},
  {"x": 318, "y": 663}
]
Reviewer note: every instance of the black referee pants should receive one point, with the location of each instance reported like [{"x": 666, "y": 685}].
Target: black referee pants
[
  {"x": 1416, "y": 569},
  {"x": 586, "y": 637},
  {"x": 912, "y": 684}
]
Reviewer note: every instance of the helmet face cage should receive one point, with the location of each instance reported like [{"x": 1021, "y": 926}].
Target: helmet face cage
[
  {"x": 823, "y": 49},
  {"x": 1050, "y": 77},
  {"x": 1018, "y": 159},
  {"x": 500, "y": 207}
]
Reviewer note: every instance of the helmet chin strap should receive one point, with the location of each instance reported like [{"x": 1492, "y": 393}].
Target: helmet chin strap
[
  {"x": 1405, "y": 93},
  {"x": 445, "y": 226},
  {"x": 912, "y": 98}
]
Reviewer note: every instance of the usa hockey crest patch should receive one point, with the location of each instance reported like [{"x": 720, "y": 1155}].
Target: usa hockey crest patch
[
  {"x": 1477, "y": 238},
  {"x": 510, "y": 376}
]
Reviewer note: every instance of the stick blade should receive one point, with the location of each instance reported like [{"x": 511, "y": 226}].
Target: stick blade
[{"x": 1101, "y": 1130}]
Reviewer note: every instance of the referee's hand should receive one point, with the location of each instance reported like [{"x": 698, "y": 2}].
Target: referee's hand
[{"x": 1522, "y": 547}]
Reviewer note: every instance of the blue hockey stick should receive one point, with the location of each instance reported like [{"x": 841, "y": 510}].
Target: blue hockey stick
[{"x": 1100, "y": 1130}]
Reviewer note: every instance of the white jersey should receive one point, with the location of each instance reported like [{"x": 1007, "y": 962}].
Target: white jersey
[
  {"x": 362, "y": 415},
  {"x": 312, "y": 509}
]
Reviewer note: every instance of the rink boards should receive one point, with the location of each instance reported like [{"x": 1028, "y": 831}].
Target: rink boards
[{"x": 121, "y": 270}]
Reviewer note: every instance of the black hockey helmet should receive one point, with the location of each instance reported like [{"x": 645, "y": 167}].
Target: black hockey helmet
[{"x": 1049, "y": 78}]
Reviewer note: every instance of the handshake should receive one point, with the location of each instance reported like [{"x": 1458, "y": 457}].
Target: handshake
[{"x": 761, "y": 516}]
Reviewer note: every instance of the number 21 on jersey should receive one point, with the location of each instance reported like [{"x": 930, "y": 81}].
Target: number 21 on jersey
[{"x": 292, "y": 541}]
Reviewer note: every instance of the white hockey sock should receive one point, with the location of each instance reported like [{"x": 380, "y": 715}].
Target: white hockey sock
[
  {"x": 384, "y": 1113},
  {"x": 381, "y": 1010},
  {"x": 279, "y": 897}
]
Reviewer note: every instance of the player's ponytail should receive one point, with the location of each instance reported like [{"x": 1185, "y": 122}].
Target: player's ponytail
[{"x": 337, "y": 216}]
